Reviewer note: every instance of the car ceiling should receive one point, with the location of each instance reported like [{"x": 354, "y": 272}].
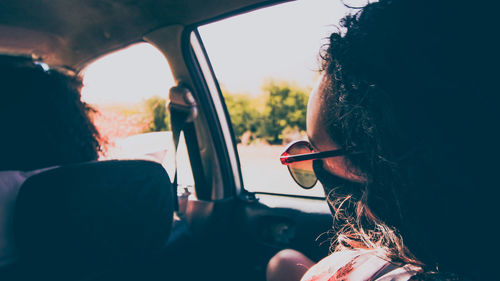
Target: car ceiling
[{"x": 72, "y": 33}]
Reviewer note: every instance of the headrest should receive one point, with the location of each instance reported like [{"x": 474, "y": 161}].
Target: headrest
[{"x": 96, "y": 215}]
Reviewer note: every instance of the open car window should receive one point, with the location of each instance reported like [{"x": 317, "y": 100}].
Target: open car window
[
  {"x": 128, "y": 91},
  {"x": 266, "y": 63}
]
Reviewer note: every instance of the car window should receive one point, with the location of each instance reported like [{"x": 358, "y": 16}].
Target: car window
[
  {"x": 128, "y": 91},
  {"x": 266, "y": 63}
]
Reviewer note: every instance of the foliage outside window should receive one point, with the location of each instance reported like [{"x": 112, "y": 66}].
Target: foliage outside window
[{"x": 277, "y": 116}]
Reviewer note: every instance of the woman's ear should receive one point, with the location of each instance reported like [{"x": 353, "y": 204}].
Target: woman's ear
[{"x": 342, "y": 167}]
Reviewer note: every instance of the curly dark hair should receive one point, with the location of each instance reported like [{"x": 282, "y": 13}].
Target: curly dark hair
[
  {"x": 409, "y": 85},
  {"x": 42, "y": 118}
]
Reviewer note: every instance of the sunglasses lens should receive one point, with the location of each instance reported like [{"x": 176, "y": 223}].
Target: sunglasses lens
[{"x": 302, "y": 172}]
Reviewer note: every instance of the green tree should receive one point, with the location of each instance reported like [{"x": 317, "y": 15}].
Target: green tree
[
  {"x": 156, "y": 114},
  {"x": 285, "y": 107},
  {"x": 280, "y": 109},
  {"x": 243, "y": 112}
]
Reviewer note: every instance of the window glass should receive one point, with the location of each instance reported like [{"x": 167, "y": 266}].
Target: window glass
[
  {"x": 128, "y": 90},
  {"x": 266, "y": 63}
]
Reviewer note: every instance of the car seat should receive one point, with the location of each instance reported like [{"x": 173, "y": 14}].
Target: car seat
[{"x": 83, "y": 221}]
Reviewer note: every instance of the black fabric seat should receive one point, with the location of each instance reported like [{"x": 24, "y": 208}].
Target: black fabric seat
[{"x": 83, "y": 220}]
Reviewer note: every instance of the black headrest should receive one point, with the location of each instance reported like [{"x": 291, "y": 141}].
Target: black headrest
[{"x": 78, "y": 218}]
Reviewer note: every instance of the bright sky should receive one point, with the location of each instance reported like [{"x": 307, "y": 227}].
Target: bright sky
[
  {"x": 281, "y": 42},
  {"x": 127, "y": 76}
]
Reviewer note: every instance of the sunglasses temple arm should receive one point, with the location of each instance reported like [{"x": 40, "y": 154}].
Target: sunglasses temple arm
[{"x": 286, "y": 160}]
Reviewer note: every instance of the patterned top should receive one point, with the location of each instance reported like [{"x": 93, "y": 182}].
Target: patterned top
[{"x": 359, "y": 265}]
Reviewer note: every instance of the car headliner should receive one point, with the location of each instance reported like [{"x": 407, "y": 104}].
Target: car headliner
[{"x": 72, "y": 33}]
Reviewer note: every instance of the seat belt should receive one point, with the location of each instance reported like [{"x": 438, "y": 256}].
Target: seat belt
[{"x": 182, "y": 107}]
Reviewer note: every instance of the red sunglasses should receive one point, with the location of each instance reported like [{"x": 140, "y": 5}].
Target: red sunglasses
[{"x": 297, "y": 157}]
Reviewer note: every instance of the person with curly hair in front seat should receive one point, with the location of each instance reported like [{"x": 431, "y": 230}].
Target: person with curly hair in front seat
[
  {"x": 401, "y": 130},
  {"x": 44, "y": 124}
]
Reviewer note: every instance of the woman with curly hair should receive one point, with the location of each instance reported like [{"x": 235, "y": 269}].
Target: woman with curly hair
[
  {"x": 404, "y": 120},
  {"x": 42, "y": 118},
  {"x": 44, "y": 124}
]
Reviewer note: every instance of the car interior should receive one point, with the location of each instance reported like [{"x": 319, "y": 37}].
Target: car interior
[{"x": 100, "y": 220}]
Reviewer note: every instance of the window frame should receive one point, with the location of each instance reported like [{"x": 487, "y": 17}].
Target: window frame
[
  {"x": 222, "y": 133},
  {"x": 232, "y": 176}
]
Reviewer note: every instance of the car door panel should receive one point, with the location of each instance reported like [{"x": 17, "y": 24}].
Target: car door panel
[{"x": 279, "y": 222}]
